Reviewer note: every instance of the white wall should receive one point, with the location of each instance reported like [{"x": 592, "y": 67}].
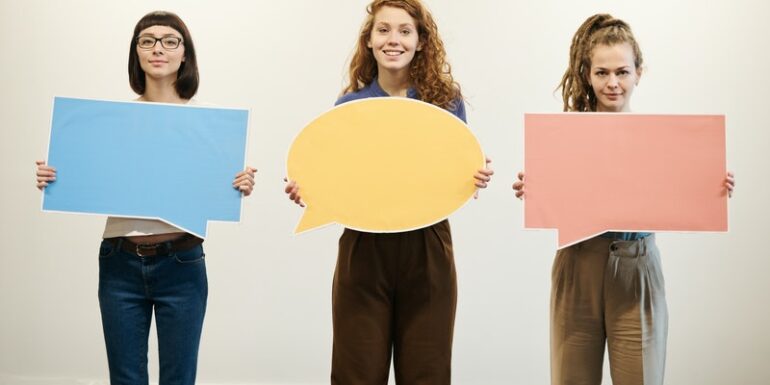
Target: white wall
[{"x": 269, "y": 317}]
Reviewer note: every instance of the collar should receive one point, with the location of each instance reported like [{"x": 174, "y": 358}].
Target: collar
[{"x": 411, "y": 93}]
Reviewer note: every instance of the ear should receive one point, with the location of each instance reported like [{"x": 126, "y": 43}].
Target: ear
[
  {"x": 419, "y": 46},
  {"x": 369, "y": 43},
  {"x": 638, "y": 75}
]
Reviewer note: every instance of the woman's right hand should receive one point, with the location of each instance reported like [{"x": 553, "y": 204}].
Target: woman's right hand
[
  {"x": 293, "y": 190},
  {"x": 45, "y": 174},
  {"x": 518, "y": 186}
]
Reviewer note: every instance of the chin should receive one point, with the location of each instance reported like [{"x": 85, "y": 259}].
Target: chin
[
  {"x": 395, "y": 67},
  {"x": 614, "y": 107}
]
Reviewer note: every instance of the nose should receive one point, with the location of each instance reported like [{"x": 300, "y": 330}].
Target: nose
[
  {"x": 157, "y": 47},
  {"x": 393, "y": 37},
  {"x": 612, "y": 81}
]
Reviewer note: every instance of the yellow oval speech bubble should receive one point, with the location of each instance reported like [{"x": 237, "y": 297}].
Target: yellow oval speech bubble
[{"x": 383, "y": 165}]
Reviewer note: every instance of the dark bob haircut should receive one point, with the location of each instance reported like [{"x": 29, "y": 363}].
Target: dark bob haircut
[{"x": 187, "y": 77}]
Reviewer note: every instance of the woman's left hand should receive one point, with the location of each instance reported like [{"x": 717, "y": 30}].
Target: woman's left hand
[
  {"x": 244, "y": 180},
  {"x": 730, "y": 183},
  {"x": 483, "y": 176}
]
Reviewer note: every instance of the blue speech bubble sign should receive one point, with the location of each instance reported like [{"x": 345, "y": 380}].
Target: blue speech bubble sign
[{"x": 175, "y": 163}]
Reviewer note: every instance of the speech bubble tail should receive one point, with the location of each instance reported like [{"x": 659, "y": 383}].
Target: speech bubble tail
[
  {"x": 568, "y": 238},
  {"x": 311, "y": 220},
  {"x": 194, "y": 226}
]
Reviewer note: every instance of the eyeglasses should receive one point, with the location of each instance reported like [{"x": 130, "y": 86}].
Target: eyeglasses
[{"x": 167, "y": 42}]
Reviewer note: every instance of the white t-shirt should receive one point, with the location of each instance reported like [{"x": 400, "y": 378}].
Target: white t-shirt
[{"x": 128, "y": 227}]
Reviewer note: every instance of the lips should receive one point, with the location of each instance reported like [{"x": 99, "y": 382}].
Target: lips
[{"x": 392, "y": 52}]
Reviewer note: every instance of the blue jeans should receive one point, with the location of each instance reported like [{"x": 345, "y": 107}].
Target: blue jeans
[{"x": 130, "y": 287}]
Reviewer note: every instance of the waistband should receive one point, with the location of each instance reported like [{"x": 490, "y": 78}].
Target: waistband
[
  {"x": 438, "y": 225},
  {"x": 185, "y": 242},
  {"x": 618, "y": 247}
]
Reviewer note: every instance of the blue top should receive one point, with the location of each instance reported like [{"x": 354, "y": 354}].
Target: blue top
[
  {"x": 624, "y": 236},
  {"x": 373, "y": 90}
]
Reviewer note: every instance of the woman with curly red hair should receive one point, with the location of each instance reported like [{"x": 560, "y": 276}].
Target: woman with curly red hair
[{"x": 395, "y": 294}]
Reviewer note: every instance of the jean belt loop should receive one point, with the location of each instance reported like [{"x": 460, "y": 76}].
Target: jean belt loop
[{"x": 167, "y": 246}]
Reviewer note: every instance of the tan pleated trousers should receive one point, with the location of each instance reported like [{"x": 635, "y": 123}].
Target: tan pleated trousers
[
  {"x": 394, "y": 295},
  {"x": 613, "y": 291}
]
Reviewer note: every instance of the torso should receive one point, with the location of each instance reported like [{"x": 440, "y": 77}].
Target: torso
[{"x": 163, "y": 237}]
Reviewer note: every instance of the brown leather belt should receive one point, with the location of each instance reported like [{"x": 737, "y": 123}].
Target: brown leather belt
[{"x": 185, "y": 242}]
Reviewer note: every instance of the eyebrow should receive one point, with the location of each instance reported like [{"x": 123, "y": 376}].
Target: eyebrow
[
  {"x": 400, "y": 25},
  {"x": 162, "y": 36},
  {"x": 607, "y": 69}
]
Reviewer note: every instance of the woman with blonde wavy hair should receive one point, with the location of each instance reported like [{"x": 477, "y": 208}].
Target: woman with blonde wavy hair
[
  {"x": 395, "y": 294},
  {"x": 608, "y": 289}
]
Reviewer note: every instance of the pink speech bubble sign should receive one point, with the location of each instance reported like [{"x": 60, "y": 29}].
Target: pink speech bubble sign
[{"x": 587, "y": 173}]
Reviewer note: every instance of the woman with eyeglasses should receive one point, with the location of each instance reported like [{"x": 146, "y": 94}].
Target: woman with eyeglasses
[{"x": 148, "y": 266}]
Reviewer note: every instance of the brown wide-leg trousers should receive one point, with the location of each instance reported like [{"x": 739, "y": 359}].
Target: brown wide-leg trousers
[
  {"x": 394, "y": 294},
  {"x": 610, "y": 290}
]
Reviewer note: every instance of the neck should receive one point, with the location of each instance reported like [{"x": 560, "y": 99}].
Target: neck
[
  {"x": 394, "y": 83},
  {"x": 161, "y": 91},
  {"x": 625, "y": 108}
]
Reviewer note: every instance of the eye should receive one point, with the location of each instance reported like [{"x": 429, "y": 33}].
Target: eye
[
  {"x": 146, "y": 41},
  {"x": 622, "y": 73},
  {"x": 170, "y": 42},
  {"x": 382, "y": 30},
  {"x": 600, "y": 73},
  {"x": 405, "y": 32}
]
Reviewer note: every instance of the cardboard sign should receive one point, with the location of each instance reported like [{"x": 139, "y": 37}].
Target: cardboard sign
[
  {"x": 587, "y": 173},
  {"x": 175, "y": 163}
]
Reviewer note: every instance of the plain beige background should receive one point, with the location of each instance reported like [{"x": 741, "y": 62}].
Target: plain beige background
[{"x": 269, "y": 316}]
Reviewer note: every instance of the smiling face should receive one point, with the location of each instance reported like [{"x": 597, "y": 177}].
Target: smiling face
[
  {"x": 159, "y": 62},
  {"x": 613, "y": 76},
  {"x": 393, "y": 40}
]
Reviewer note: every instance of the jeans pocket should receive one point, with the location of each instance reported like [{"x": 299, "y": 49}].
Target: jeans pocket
[
  {"x": 442, "y": 233},
  {"x": 654, "y": 269},
  {"x": 190, "y": 256},
  {"x": 106, "y": 249},
  {"x": 444, "y": 236}
]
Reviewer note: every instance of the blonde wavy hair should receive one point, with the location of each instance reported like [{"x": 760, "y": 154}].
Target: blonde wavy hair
[
  {"x": 576, "y": 90},
  {"x": 429, "y": 72}
]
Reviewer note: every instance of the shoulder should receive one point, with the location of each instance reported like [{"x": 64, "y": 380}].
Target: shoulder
[
  {"x": 198, "y": 103},
  {"x": 349, "y": 97},
  {"x": 356, "y": 95},
  {"x": 458, "y": 109}
]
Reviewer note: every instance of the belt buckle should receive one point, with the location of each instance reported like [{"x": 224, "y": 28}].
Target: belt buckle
[{"x": 139, "y": 248}]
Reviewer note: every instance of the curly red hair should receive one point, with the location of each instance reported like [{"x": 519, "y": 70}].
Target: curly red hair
[{"x": 430, "y": 73}]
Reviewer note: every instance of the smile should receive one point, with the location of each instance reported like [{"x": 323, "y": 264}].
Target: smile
[{"x": 392, "y": 53}]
